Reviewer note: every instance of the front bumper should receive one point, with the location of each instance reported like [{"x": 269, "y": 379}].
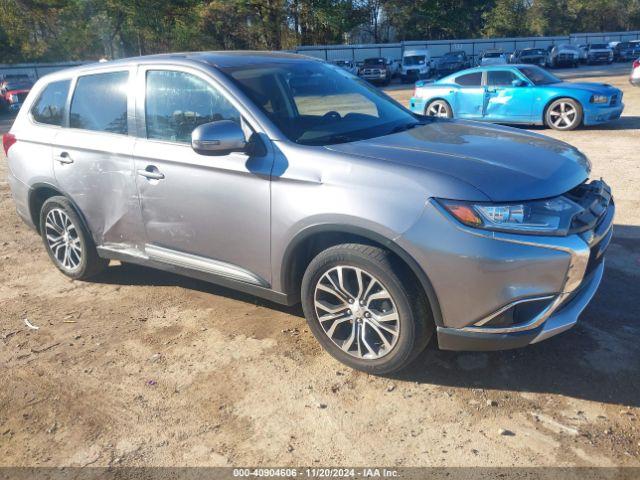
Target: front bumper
[
  {"x": 477, "y": 276},
  {"x": 565, "y": 317},
  {"x": 594, "y": 115}
]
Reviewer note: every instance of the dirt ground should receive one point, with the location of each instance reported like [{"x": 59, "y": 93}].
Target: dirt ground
[{"x": 145, "y": 368}]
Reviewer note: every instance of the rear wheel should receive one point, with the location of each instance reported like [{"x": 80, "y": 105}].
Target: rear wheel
[
  {"x": 439, "y": 108},
  {"x": 365, "y": 308},
  {"x": 67, "y": 242},
  {"x": 564, "y": 114}
]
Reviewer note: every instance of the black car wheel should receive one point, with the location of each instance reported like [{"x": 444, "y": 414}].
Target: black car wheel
[
  {"x": 365, "y": 308},
  {"x": 67, "y": 241}
]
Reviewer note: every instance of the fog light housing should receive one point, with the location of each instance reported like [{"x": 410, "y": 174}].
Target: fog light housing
[{"x": 520, "y": 313}]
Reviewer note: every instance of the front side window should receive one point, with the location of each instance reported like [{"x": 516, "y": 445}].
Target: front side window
[
  {"x": 470, "y": 79},
  {"x": 500, "y": 78},
  {"x": 100, "y": 103},
  {"x": 314, "y": 103},
  {"x": 49, "y": 108},
  {"x": 178, "y": 102}
]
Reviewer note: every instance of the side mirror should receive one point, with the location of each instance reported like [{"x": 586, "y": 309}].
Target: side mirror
[
  {"x": 218, "y": 138},
  {"x": 519, "y": 83}
]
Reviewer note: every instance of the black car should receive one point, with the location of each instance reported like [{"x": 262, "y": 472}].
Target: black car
[
  {"x": 452, "y": 62},
  {"x": 533, "y": 56},
  {"x": 623, "y": 52}
]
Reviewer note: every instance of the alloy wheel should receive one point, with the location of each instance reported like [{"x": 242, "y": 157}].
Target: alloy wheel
[
  {"x": 63, "y": 239},
  {"x": 437, "y": 109},
  {"x": 357, "y": 312},
  {"x": 563, "y": 115}
]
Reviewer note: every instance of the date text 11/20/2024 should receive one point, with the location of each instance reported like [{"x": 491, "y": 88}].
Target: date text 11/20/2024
[{"x": 316, "y": 472}]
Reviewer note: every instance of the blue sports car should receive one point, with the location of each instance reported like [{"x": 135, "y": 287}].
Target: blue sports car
[{"x": 518, "y": 94}]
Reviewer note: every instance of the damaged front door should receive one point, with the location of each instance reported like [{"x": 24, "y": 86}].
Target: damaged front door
[{"x": 93, "y": 161}]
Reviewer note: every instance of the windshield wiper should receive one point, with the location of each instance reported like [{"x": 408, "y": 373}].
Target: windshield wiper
[
  {"x": 328, "y": 140},
  {"x": 404, "y": 127}
]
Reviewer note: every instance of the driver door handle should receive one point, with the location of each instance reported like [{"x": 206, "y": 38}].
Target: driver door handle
[
  {"x": 152, "y": 173},
  {"x": 64, "y": 158}
]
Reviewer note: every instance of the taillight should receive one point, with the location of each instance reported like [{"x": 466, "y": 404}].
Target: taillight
[{"x": 8, "y": 139}]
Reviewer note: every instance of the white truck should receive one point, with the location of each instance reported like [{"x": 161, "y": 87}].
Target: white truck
[{"x": 416, "y": 65}]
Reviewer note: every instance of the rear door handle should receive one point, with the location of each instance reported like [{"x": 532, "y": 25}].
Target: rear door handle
[
  {"x": 152, "y": 173},
  {"x": 64, "y": 158}
]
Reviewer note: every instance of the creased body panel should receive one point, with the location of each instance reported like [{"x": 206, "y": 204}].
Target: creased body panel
[{"x": 100, "y": 181}]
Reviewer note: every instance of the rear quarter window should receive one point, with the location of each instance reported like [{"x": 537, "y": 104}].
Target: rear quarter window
[
  {"x": 100, "y": 103},
  {"x": 470, "y": 79},
  {"x": 49, "y": 108}
]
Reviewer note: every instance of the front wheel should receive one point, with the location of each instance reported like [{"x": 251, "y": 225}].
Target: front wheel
[
  {"x": 67, "y": 242},
  {"x": 438, "y": 108},
  {"x": 365, "y": 308},
  {"x": 564, "y": 114}
]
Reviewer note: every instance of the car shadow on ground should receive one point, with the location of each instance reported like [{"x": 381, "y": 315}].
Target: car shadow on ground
[
  {"x": 132, "y": 275},
  {"x": 598, "y": 360}
]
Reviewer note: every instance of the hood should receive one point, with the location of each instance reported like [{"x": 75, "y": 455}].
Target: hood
[
  {"x": 504, "y": 163},
  {"x": 601, "y": 88}
]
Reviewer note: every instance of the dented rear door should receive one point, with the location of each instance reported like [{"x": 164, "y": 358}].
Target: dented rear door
[{"x": 93, "y": 159}]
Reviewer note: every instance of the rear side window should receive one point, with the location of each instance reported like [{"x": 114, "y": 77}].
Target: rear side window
[
  {"x": 178, "y": 102},
  {"x": 100, "y": 103},
  {"x": 470, "y": 79},
  {"x": 49, "y": 108},
  {"x": 500, "y": 78}
]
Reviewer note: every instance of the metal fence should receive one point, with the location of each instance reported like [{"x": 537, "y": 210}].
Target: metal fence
[
  {"x": 473, "y": 47},
  {"x": 437, "y": 48},
  {"x": 35, "y": 70}
]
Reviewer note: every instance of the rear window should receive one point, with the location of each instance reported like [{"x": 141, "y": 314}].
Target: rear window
[
  {"x": 100, "y": 103},
  {"x": 49, "y": 108},
  {"x": 470, "y": 79}
]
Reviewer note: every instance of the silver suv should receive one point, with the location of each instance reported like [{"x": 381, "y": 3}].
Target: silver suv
[{"x": 293, "y": 180}]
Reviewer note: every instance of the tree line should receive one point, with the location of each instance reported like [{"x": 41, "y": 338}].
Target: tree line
[{"x": 57, "y": 30}]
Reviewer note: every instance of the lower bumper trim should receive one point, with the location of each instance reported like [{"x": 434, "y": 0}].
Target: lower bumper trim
[{"x": 562, "y": 319}]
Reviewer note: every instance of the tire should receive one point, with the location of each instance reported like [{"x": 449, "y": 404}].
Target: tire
[
  {"x": 352, "y": 333},
  {"x": 438, "y": 108},
  {"x": 63, "y": 231},
  {"x": 553, "y": 115}
]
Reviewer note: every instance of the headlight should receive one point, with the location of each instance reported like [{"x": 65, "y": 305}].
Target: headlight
[
  {"x": 599, "y": 99},
  {"x": 542, "y": 217}
]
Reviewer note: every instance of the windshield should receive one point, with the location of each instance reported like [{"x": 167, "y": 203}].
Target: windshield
[
  {"x": 343, "y": 63},
  {"x": 454, "y": 56},
  {"x": 539, "y": 76},
  {"x": 374, "y": 62},
  {"x": 567, "y": 47},
  {"x": 598, "y": 46},
  {"x": 492, "y": 55},
  {"x": 22, "y": 85},
  {"x": 314, "y": 103},
  {"x": 535, "y": 51},
  {"x": 413, "y": 60}
]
